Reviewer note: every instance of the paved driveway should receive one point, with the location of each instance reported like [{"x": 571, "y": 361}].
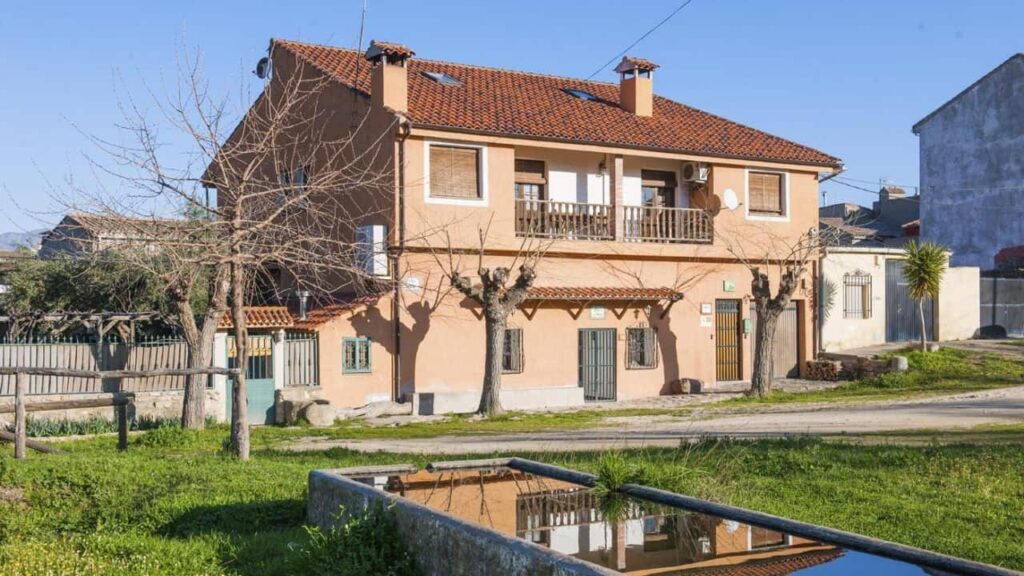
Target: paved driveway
[{"x": 1002, "y": 406}]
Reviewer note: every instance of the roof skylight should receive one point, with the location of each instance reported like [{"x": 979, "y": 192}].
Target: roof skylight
[
  {"x": 442, "y": 78},
  {"x": 581, "y": 94}
]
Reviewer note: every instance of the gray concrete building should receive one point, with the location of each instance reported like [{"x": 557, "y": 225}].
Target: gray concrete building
[{"x": 972, "y": 168}]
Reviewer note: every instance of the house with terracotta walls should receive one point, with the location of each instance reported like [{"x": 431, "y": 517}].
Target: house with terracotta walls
[{"x": 648, "y": 212}]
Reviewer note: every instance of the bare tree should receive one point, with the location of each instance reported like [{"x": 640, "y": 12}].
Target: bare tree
[
  {"x": 790, "y": 260},
  {"x": 293, "y": 179},
  {"x": 497, "y": 293}
]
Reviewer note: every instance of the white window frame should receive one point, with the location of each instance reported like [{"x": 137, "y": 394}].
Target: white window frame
[
  {"x": 784, "y": 217},
  {"x": 481, "y": 174}
]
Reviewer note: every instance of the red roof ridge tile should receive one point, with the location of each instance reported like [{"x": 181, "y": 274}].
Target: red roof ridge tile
[{"x": 458, "y": 64}]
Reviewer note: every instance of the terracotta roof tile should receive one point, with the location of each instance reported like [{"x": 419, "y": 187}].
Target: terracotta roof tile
[
  {"x": 630, "y": 63},
  {"x": 775, "y": 566},
  {"x": 389, "y": 49},
  {"x": 505, "y": 102},
  {"x": 320, "y": 316},
  {"x": 262, "y": 317},
  {"x": 591, "y": 294}
]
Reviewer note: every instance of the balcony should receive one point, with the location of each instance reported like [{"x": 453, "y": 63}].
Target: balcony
[
  {"x": 583, "y": 221},
  {"x": 563, "y": 220}
]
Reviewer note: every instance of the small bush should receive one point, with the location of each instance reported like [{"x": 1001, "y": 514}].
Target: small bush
[
  {"x": 366, "y": 544},
  {"x": 172, "y": 436},
  {"x": 42, "y": 427}
]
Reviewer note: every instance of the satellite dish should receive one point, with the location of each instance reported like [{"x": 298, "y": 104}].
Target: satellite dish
[
  {"x": 413, "y": 284},
  {"x": 262, "y": 68},
  {"x": 731, "y": 201}
]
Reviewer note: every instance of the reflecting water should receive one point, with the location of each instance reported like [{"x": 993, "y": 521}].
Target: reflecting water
[{"x": 632, "y": 537}]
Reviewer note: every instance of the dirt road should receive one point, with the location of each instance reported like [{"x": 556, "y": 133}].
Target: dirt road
[{"x": 1002, "y": 406}]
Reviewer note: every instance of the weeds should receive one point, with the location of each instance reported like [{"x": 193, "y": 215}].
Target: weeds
[{"x": 368, "y": 543}]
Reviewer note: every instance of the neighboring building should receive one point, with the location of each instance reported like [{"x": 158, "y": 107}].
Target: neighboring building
[
  {"x": 881, "y": 225},
  {"x": 864, "y": 296},
  {"x": 972, "y": 168},
  {"x": 82, "y": 233},
  {"x": 644, "y": 204}
]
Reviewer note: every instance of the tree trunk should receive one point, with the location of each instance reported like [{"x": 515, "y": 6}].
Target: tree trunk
[
  {"x": 193, "y": 410},
  {"x": 761, "y": 379},
  {"x": 924, "y": 336},
  {"x": 490, "y": 399},
  {"x": 239, "y": 404}
]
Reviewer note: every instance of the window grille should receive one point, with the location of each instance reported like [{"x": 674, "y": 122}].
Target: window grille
[
  {"x": 355, "y": 355},
  {"x": 857, "y": 296},
  {"x": 512, "y": 357},
  {"x": 641, "y": 347}
]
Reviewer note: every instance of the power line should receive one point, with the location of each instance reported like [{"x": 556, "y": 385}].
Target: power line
[{"x": 640, "y": 39}]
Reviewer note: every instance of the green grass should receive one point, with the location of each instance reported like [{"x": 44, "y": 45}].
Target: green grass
[
  {"x": 947, "y": 371},
  {"x": 172, "y": 509}
]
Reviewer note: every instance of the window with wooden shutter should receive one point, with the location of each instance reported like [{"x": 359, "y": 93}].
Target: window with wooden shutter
[
  {"x": 455, "y": 172},
  {"x": 641, "y": 347},
  {"x": 530, "y": 172},
  {"x": 765, "y": 193},
  {"x": 512, "y": 356}
]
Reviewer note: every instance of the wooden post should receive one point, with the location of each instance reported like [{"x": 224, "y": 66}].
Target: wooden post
[
  {"x": 20, "y": 430},
  {"x": 122, "y": 426}
]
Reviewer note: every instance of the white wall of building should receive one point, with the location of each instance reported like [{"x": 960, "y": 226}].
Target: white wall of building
[{"x": 839, "y": 333}]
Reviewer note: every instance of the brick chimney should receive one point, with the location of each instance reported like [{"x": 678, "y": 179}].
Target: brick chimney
[
  {"x": 390, "y": 77},
  {"x": 636, "y": 85}
]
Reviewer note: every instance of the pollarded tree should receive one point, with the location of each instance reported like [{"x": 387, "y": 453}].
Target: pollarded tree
[{"x": 923, "y": 270}]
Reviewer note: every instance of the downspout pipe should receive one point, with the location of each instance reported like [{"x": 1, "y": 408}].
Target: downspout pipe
[{"x": 404, "y": 129}]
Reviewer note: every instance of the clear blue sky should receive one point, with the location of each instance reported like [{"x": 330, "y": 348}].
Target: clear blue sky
[{"x": 849, "y": 78}]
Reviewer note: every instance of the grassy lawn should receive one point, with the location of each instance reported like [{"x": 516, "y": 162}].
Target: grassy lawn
[
  {"x": 174, "y": 505},
  {"x": 947, "y": 371}
]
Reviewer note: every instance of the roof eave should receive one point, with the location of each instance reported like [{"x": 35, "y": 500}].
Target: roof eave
[{"x": 835, "y": 165}]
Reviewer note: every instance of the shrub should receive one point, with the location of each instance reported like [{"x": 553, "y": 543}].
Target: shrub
[{"x": 367, "y": 544}]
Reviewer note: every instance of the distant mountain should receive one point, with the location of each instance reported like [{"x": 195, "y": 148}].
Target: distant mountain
[{"x": 15, "y": 240}]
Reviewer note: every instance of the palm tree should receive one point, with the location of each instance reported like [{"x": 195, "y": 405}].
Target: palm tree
[{"x": 926, "y": 262}]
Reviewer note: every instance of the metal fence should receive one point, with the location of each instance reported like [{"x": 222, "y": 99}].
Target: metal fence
[
  {"x": 83, "y": 354},
  {"x": 301, "y": 354},
  {"x": 1002, "y": 306}
]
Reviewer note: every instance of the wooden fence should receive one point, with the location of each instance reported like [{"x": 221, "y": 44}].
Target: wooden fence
[{"x": 155, "y": 354}]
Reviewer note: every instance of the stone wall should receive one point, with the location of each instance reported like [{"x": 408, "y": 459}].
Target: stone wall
[
  {"x": 147, "y": 405},
  {"x": 441, "y": 544}
]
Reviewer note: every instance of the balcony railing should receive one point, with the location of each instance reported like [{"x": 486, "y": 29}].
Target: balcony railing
[
  {"x": 582, "y": 221},
  {"x": 668, "y": 225},
  {"x": 567, "y": 220}
]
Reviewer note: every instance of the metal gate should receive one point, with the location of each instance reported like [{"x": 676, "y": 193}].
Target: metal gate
[
  {"x": 259, "y": 378},
  {"x": 1002, "y": 307},
  {"x": 902, "y": 321},
  {"x": 597, "y": 363},
  {"x": 727, "y": 340},
  {"x": 785, "y": 342}
]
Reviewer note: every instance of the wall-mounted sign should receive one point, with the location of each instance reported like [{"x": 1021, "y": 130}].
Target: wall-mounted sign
[
  {"x": 597, "y": 312},
  {"x": 705, "y": 308},
  {"x": 728, "y": 286},
  {"x": 705, "y": 321}
]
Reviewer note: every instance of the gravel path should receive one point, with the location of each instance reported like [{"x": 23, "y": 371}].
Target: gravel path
[{"x": 1002, "y": 406}]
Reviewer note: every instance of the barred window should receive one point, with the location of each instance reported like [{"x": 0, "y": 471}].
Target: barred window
[
  {"x": 512, "y": 356},
  {"x": 355, "y": 355},
  {"x": 857, "y": 296},
  {"x": 641, "y": 348}
]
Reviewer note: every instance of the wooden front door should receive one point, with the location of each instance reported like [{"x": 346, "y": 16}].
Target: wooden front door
[
  {"x": 785, "y": 343},
  {"x": 597, "y": 363},
  {"x": 728, "y": 340}
]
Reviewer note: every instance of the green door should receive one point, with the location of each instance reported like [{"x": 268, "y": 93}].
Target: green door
[{"x": 259, "y": 379}]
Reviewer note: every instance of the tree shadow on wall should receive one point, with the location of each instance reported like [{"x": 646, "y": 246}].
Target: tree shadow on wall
[
  {"x": 372, "y": 324},
  {"x": 667, "y": 347}
]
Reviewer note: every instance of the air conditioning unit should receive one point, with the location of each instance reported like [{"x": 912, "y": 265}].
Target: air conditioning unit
[
  {"x": 696, "y": 172},
  {"x": 372, "y": 250}
]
